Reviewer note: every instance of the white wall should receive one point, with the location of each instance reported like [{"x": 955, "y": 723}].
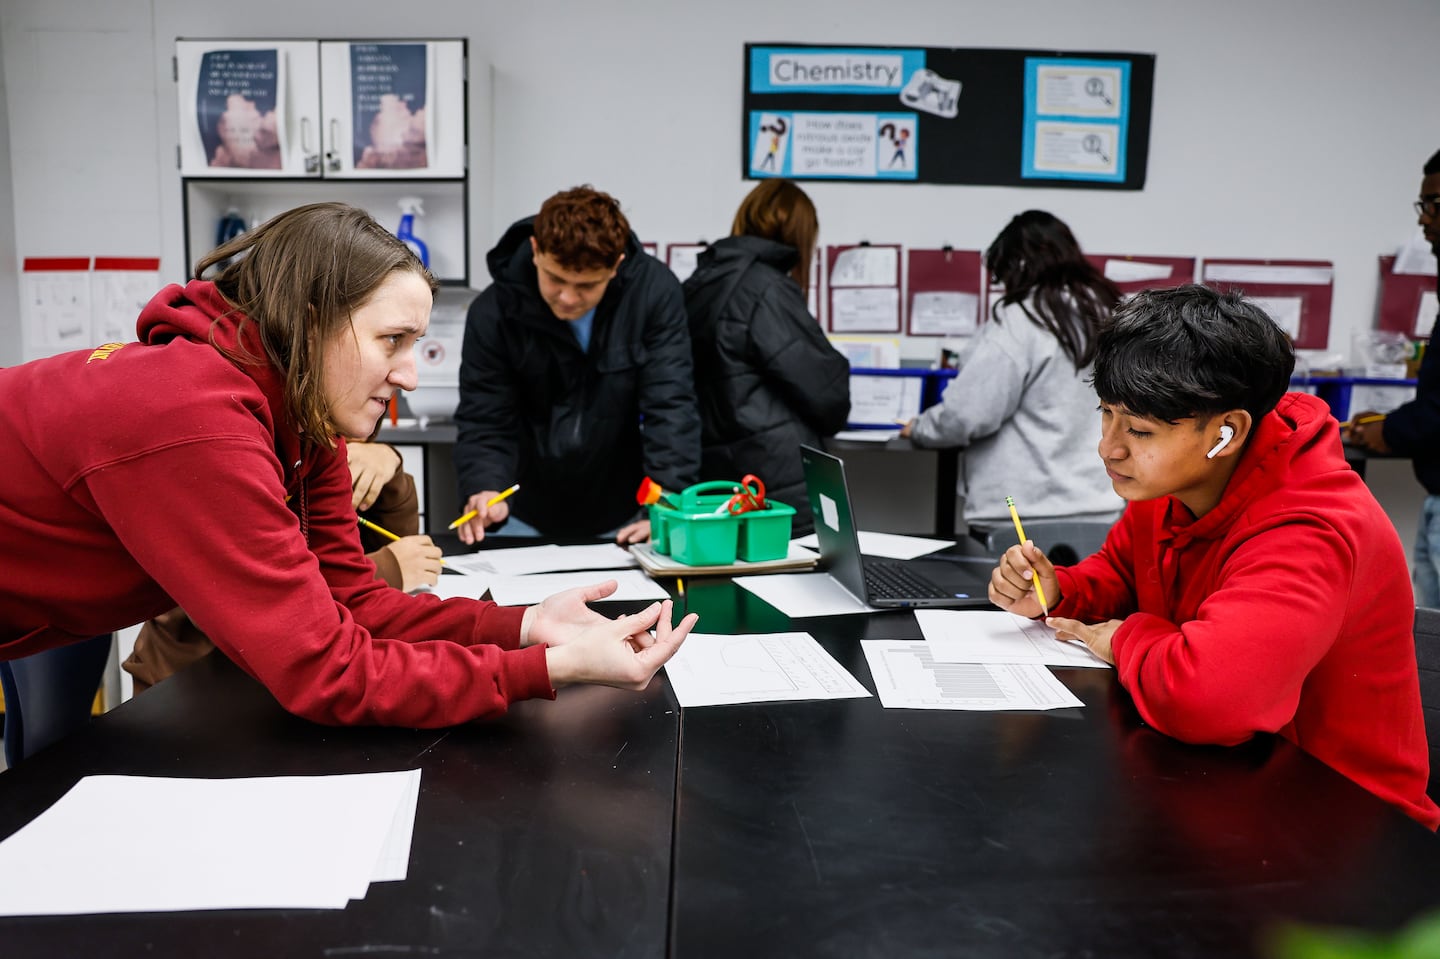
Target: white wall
[{"x": 1288, "y": 128}]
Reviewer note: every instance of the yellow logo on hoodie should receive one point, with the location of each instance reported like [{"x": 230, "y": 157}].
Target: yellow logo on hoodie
[{"x": 103, "y": 353}]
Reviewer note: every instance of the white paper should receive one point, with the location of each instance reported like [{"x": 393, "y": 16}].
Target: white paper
[
  {"x": 1242, "y": 273},
  {"x": 1077, "y": 148},
  {"x": 470, "y": 586},
  {"x": 875, "y": 353},
  {"x": 867, "y": 436},
  {"x": 908, "y": 677},
  {"x": 682, "y": 258},
  {"x": 55, "y": 311},
  {"x": 1136, "y": 271},
  {"x": 947, "y": 313},
  {"x": 889, "y": 545},
  {"x": 117, "y": 297},
  {"x": 866, "y": 308},
  {"x": 530, "y": 589},
  {"x": 524, "y": 560},
  {"x": 988, "y": 636},
  {"x": 1073, "y": 90},
  {"x": 716, "y": 670},
  {"x": 1415, "y": 257},
  {"x": 307, "y": 842},
  {"x": 866, "y": 266},
  {"x": 1425, "y": 314},
  {"x": 1284, "y": 310},
  {"x": 798, "y": 595},
  {"x": 884, "y": 399}
]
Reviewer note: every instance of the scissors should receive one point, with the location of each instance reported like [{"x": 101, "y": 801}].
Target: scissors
[{"x": 749, "y": 495}]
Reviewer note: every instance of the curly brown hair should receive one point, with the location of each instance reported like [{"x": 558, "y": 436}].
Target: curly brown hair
[{"x": 583, "y": 229}]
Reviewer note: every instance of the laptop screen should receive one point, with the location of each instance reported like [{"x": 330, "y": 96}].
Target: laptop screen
[{"x": 835, "y": 526}]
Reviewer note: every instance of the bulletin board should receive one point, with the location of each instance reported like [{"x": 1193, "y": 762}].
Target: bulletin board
[
  {"x": 1041, "y": 118},
  {"x": 1408, "y": 303},
  {"x": 1296, "y": 294}
]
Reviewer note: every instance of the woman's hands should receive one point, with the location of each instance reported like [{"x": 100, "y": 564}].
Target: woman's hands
[{"x": 586, "y": 647}]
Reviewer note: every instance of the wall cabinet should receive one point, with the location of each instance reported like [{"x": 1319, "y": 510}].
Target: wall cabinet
[{"x": 266, "y": 125}]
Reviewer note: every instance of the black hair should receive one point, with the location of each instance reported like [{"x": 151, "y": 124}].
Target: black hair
[
  {"x": 1432, "y": 165},
  {"x": 1191, "y": 351},
  {"x": 1037, "y": 258}
]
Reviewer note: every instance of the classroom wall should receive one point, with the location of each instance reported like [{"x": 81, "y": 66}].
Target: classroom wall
[{"x": 1292, "y": 128}]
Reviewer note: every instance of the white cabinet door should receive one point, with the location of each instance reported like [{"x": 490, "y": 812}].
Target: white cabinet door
[
  {"x": 249, "y": 108},
  {"x": 393, "y": 109}
]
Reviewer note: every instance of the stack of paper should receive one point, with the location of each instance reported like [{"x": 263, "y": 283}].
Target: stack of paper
[{"x": 287, "y": 842}]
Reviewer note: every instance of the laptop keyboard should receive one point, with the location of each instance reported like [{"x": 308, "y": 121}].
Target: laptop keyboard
[{"x": 896, "y": 581}]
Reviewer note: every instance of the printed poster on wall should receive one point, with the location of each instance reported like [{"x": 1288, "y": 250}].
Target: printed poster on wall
[
  {"x": 947, "y": 115},
  {"x": 238, "y": 108},
  {"x": 389, "y": 88}
]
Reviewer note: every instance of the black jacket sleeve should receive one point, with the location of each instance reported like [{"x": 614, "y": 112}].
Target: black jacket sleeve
[
  {"x": 670, "y": 425},
  {"x": 487, "y": 424}
]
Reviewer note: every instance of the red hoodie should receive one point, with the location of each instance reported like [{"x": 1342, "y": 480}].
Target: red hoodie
[
  {"x": 1285, "y": 609},
  {"x": 148, "y": 475}
]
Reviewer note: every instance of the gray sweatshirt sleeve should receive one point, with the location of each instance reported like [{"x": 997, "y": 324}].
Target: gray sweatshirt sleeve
[{"x": 986, "y": 392}]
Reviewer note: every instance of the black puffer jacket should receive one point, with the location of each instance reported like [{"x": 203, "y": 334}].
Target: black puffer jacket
[
  {"x": 766, "y": 378},
  {"x": 567, "y": 424}
]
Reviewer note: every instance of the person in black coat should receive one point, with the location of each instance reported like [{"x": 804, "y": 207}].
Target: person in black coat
[
  {"x": 575, "y": 378},
  {"x": 766, "y": 378}
]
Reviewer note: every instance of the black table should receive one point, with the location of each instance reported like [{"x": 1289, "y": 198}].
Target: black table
[{"x": 606, "y": 824}]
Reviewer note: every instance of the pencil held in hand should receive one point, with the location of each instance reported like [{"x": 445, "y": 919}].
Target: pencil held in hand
[
  {"x": 1020, "y": 531},
  {"x": 488, "y": 503},
  {"x": 377, "y": 528}
]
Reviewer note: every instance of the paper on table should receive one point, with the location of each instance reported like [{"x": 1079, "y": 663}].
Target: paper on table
[
  {"x": 279, "y": 842},
  {"x": 524, "y": 560},
  {"x": 717, "y": 670},
  {"x": 907, "y": 677},
  {"x": 988, "y": 636},
  {"x": 472, "y": 586},
  {"x": 798, "y": 595},
  {"x": 867, "y": 436},
  {"x": 889, "y": 545},
  {"x": 526, "y": 590}
]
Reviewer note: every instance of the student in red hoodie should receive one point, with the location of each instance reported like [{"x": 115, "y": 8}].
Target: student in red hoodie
[
  {"x": 1253, "y": 584},
  {"x": 204, "y": 467}
]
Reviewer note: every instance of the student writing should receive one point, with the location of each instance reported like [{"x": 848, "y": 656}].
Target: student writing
[{"x": 1252, "y": 584}]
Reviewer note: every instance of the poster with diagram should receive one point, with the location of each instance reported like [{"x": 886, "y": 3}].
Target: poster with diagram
[{"x": 947, "y": 115}]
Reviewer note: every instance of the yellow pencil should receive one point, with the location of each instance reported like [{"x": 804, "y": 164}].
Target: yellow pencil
[
  {"x": 488, "y": 503},
  {"x": 1362, "y": 420},
  {"x": 377, "y": 528},
  {"x": 1020, "y": 531}
]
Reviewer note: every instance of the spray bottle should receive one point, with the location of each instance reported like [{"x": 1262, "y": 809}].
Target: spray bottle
[{"x": 410, "y": 208}]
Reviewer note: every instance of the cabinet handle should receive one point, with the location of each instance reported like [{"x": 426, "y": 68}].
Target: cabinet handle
[
  {"x": 332, "y": 156},
  {"x": 311, "y": 153}
]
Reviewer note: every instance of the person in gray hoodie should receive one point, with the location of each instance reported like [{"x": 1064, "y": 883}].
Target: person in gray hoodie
[{"x": 1022, "y": 404}]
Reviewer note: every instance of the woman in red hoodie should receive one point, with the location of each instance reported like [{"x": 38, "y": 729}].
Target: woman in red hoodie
[
  {"x": 203, "y": 467},
  {"x": 1253, "y": 584}
]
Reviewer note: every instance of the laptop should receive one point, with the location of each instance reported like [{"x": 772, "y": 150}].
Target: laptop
[{"x": 879, "y": 583}]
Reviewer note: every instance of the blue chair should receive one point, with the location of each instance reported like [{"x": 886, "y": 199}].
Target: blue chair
[{"x": 48, "y": 695}]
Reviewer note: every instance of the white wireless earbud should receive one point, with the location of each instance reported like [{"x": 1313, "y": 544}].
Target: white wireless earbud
[{"x": 1227, "y": 433}]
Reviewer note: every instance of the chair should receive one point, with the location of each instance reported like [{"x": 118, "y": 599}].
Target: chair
[
  {"x": 48, "y": 695},
  {"x": 1427, "y": 657},
  {"x": 1064, "y": 541}
]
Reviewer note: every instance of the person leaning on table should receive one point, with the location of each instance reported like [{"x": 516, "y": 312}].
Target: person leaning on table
[{"x": 204, "y": 467}]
